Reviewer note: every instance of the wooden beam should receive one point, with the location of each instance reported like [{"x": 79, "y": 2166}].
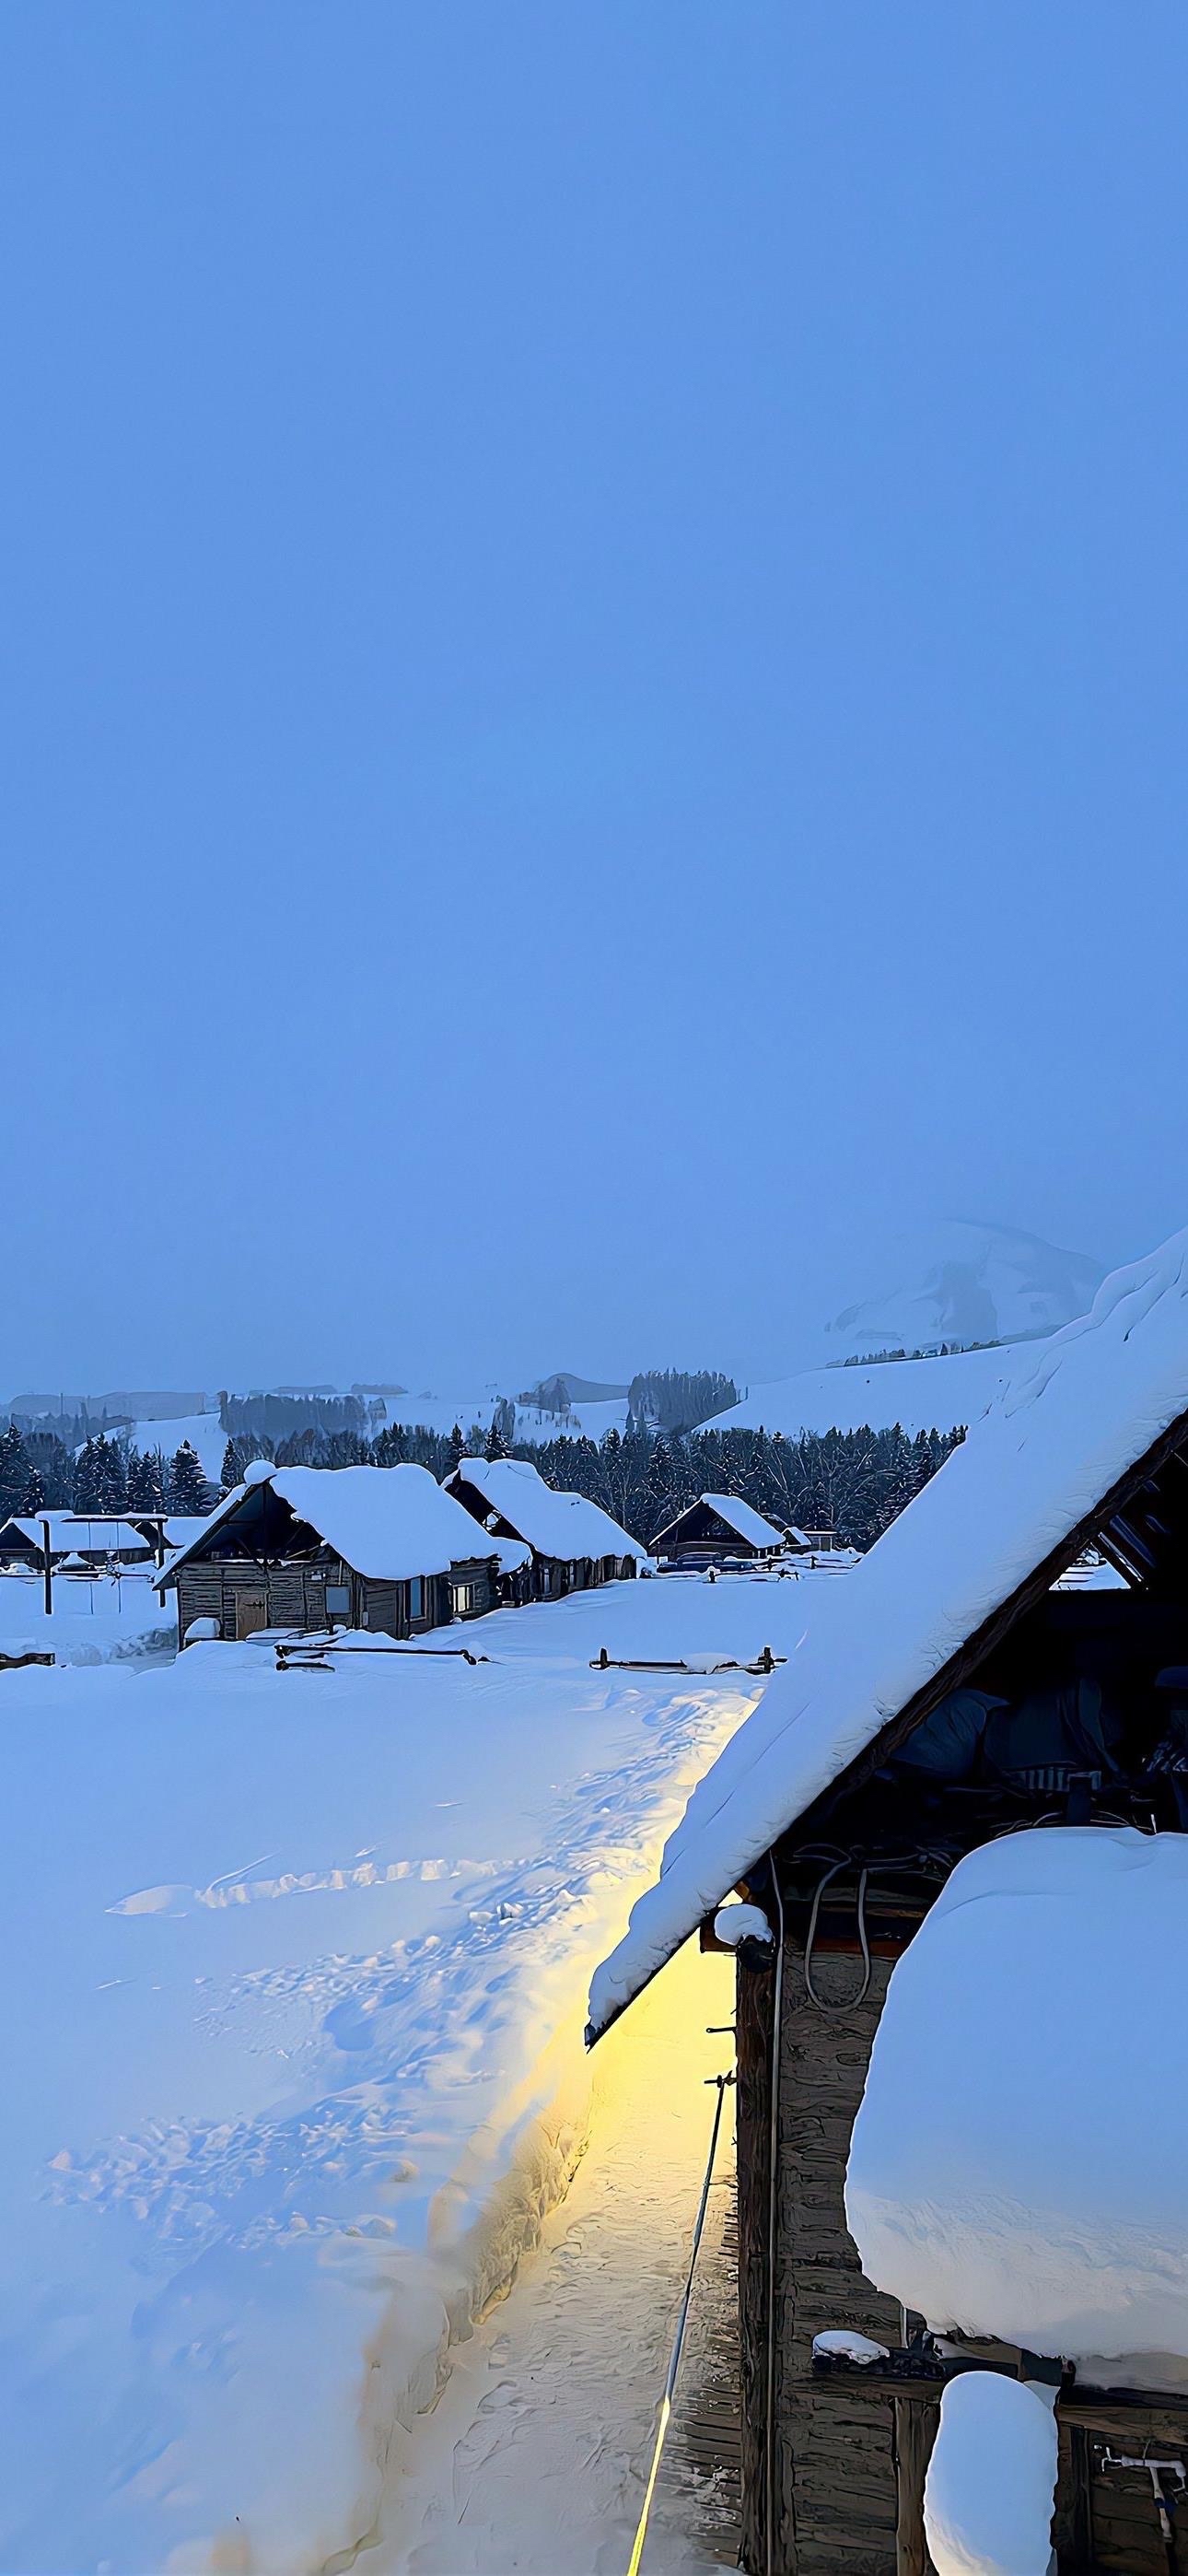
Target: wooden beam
[{"x": 915, "y": 2432}]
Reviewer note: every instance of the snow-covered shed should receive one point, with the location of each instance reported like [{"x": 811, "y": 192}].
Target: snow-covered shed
[
  {"x": 573, "y": 1543},
  {"x": 95, "y": 1538},
  {"x": 945, "y": 1697},
  {"x": 717, "y": 1526},
  {"x": 351, "y": 1547}
]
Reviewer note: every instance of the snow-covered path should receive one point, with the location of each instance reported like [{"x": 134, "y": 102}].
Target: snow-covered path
[
  {"x": 536, "y": 2456},
  {"x": 291, "y": 2017}
]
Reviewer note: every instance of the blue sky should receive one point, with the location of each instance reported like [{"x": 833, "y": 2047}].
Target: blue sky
[{"x": 593, "y": 616}]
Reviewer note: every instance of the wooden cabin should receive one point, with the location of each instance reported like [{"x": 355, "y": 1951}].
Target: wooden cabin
[
  {"x": 717, "y": 1526},
  {"x": 348, "y": 1547},
  {"x": 945, "y": 1696},
  {"x": 572, "y": 1543}
]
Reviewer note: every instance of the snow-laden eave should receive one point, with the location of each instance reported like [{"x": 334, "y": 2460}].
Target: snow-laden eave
[
  {"x": 1054, "y": 1459},
  {"x": 898, "y": 1724}
]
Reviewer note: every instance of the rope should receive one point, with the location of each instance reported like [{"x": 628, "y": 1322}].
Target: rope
[{"x": 674, "y": 2359}]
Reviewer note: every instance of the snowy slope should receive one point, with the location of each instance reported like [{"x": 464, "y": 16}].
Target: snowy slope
[
  {"x": 291, "y": 2025},
  {"x": 441, "y": 1412},
  {"x": 204, "y": 1431},
  {"x": 964, "y": 1282},
  {"x": 921, "y": 1395}
]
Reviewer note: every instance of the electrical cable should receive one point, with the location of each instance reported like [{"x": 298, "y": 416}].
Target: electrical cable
[
  {"x": 847, "y": 2003},
  {"x": 723, "y": 2083}
]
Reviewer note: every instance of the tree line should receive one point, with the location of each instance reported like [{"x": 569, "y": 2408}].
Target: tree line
[
  {"x": 851, "y": 1482},
  {"x": 39, "y": 1473}
]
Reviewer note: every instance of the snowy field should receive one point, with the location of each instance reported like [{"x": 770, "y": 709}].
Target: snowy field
[
  {"x": 94, "y": 1618},
  {"x": 292, "y": 2026}
]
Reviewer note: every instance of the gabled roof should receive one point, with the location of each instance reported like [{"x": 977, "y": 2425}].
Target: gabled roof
[
  {"x": 566, "y": 1526},
  {"x": 738, "y": 1516},
  {"x": 1059, "y": 1456},
  {"x": 387, "y": 1523},
  {"x": 77, "y": 1530}
]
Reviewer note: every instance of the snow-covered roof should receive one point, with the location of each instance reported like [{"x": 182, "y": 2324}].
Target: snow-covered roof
[
  {"x": 29, "y": 1525},
  {"x": 567, "y": 1526},
  {"x": 1012, "y": 1500},
  {"x": 387, "y": 1523},
  {"x": 77, "y": 1530},
  {"x": 738, "y": 1516}
]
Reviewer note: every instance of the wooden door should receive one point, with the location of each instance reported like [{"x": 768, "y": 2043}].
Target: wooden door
[{"x": 251, "y": 1612}]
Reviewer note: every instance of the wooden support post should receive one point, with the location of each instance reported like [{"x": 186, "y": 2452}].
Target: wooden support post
[
  {"x": 1073, "y": 2528},
  {"x": 915, "y": 2427},
  {"x": 48, "y": 1570}
]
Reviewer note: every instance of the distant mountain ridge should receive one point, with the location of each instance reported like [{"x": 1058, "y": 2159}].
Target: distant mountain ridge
[{"x": 971, "y": 1284}]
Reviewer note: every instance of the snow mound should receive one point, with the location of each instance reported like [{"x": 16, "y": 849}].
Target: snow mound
[
  {"x": 991, "y": 2481},
  {"x": 1017, "y": 2165}
]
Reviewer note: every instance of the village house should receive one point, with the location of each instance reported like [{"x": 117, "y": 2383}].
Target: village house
[
  {"x": 321, "y": 1547},
  {"x": 573, "y": 1542},
  {"x": 984, "y": 2229},
  {"x": 716, "y": 1526}
]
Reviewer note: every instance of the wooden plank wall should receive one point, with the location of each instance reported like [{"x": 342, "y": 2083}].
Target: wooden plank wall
[{"x": 835, "y": 2474}]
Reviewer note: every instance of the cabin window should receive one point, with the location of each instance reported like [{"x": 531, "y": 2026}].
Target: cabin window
[
  {"x": 416, "y": 1601},
  {"x": 338, "y": 1601},
  {"x": 465, "y": 1598}
]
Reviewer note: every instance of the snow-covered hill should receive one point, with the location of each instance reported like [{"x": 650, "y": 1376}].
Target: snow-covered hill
[
  {"x": 968, "y": 1283},
  {"x": 921, "y": 1395},
  {"x": 204, "y": 1431}
]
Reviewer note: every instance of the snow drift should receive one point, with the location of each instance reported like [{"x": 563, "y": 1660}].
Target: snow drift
[{"x": 1017, "y": 2165}]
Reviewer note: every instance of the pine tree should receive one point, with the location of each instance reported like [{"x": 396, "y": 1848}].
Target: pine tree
[
  {"x": 658, "y": 1495},
  {"x": 111, "y": 1475},
  {"x": 234, "y": 1463},
  {"x": 457, "y": 1449},
  {"x": 85, "y": 1494},
  {"x": 14, "y": 1470},
  {"x": 187, "y": 1484},
  {"x": 146, "y": 1481},
  {"x": 494, "y": 1446},
  {"x": 33, "y": 1498}
]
